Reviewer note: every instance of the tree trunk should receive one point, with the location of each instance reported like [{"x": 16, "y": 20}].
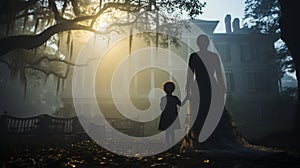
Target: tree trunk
[
  {"x": 225, "y": 136},
  {"x": 289, "y": 34}
]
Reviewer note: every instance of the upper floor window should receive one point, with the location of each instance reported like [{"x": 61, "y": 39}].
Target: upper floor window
[
  {"x": 252, "y": 81},
  {"x": 229, "y": 81},
  {"x": 224, "y": 51},
  {"x": 246, "y": 53}
]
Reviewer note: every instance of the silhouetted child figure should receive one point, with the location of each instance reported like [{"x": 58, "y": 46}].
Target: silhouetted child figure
[{"x": 168, "y": 105}]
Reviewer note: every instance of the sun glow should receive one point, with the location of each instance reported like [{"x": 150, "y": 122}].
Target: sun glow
[{"x": 102, "y": 25}]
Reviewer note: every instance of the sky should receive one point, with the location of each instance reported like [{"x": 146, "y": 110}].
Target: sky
[{"x": 217, "y": 10}]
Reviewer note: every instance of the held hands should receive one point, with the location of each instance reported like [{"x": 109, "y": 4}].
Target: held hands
[
  {"x": 185, "y": 100},
  {"x": 188, "y": 93}
]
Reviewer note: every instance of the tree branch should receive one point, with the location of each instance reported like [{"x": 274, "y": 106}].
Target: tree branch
[
  {"x": 33, "y": 65},
  {"x": 47, "y": 72},
  {"x": 57, "y": 16},
  {"x": 33, "y": 41},
  {"x": 60, "y": 60},
  {"x": 8, "y": 44}
]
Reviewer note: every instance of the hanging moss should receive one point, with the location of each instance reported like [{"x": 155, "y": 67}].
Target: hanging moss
[
  {"x": 17, "y": 70},
  {"x": 130, "y": 40},
  {"x": 63, "y": 84},
  {"x": 17, "y": 65},
  {"x": 130, "y": 34},
  {"x": 45, "y": 80},
  {"x": 57, "y": 86},
  {"x": 43, "y": 23},
  {"x": 34, "y": 51},
  {"x": 23, "y": 79},
  {"x": 64, "y": 7},
  {"x": 25, "y": 20},
  {"x": 12, "y": 26},
  {"x": 58, "y": 42},
  {"x": 49, "y": 21},
  {"x": 68, "y": 38},
  {"x": 7, "y": 28},
  {"x": 157, "y": 30},
  {"x": 44, "y": 2},
  {"x": 71, "y": 50},
  {"x": 36, "y": 25}
]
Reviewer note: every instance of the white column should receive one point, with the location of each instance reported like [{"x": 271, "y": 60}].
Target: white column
[
  {"x": 169, "y": 59},
  {"x": 152, "y": 59}
]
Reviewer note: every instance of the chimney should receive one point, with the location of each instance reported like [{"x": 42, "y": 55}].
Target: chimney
[
  {"x": 228, "y": 23},
  {"x": 236, "y": 25}
]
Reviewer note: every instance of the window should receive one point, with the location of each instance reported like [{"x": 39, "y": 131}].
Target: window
[
  {"x": 252, "y": 81},
  {"x": 246, "y": 53},
  {"x": 259, "y": 81},
  {"x": 265, "y": 82},
  {"x": 229, "y": 81},
  {"x": 258, "y": 52},
  {"x": 224, "y": 51}
]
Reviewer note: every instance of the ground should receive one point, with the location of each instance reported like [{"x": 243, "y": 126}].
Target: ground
[{"x": 86, "y": 153}]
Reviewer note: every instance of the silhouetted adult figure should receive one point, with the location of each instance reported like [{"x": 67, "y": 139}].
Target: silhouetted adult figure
[{"x": 205, "y": 76}]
